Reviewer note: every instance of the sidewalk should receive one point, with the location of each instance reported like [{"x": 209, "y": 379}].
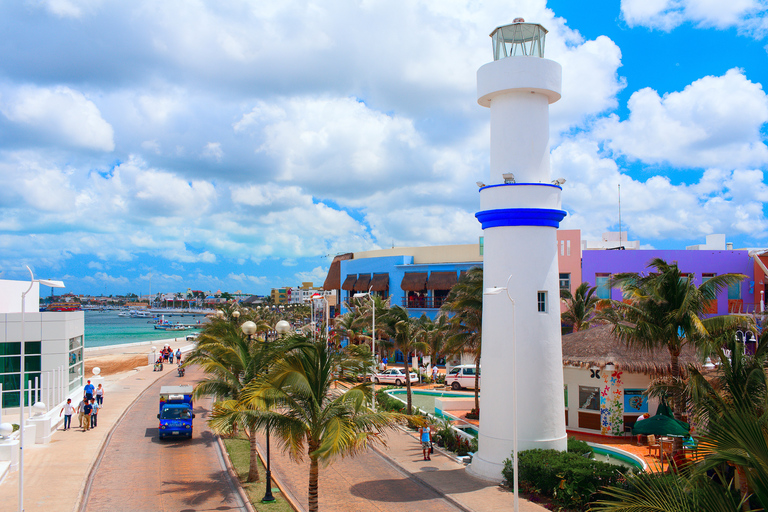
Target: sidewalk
[
  {"x": 448, "y": 477},
  {"x": 395, "y": 476},
  {"x": 55, "y": 474}
]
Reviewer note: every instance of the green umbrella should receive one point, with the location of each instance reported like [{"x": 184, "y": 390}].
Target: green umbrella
[{"x": 661, "y": 425}]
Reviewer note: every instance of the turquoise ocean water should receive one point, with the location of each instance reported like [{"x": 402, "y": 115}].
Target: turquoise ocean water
[{"x": 107, "y": 328}]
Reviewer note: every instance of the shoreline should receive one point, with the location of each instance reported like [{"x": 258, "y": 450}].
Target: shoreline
[{"x": 135, "y": 344}]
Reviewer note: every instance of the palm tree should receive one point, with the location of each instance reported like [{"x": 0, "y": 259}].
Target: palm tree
[
  {"x": 230, "y": 361},
  {"x": 432, "y": 333},
  {"x": 404, "y": 332},
  {"x": 666, "y": 309},
  {"x": 307, "y": 416},
  {"x": 581, "y": 307},
  {"x": 464, "y": 335}
]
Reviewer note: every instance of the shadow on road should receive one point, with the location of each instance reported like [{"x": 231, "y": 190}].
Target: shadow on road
[
  {"x": 380, "y": 490},
  {"x": 206, "y": 439},
  {"x": 202, "y": 491}
]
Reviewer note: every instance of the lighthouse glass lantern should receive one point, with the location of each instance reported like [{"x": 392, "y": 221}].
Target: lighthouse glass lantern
[{"x": 519, "y": 39}]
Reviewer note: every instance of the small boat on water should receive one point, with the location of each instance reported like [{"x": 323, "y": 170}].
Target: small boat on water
[{"x": 64, "y": 306}]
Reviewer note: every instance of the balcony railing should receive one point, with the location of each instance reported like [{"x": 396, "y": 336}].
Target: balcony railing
[{"x": 424, "y": 303}]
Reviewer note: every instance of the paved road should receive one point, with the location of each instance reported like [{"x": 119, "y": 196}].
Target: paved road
[{"x": 140, "y": 473}]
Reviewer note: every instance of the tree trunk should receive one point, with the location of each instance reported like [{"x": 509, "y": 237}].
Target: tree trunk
[
  {"x": 253, "y": 468},
  {"x": 677, "y": 401},
  {"x": 409, "y": 402},
  {"x": 314, "y": 473}
]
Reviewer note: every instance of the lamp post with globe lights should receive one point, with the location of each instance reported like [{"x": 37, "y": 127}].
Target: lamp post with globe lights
[
  {"x": 282, "y": 327},
  {"x": 373, "y": 337}
]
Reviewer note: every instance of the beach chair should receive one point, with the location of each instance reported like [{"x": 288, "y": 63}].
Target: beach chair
[{"x": 653, "y": 445}]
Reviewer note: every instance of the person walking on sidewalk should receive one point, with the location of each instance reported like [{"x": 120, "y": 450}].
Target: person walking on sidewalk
[
  {"x": 88, "y": 391},
  {"x": 80, "y": 412},
  {"x": 99, "y": 395},
  {"x": 87, "y": 409},
  {"x": 425, "y": 435},
  {"x": 69, "y": 411},
  {"x": 94, "y": 413}
]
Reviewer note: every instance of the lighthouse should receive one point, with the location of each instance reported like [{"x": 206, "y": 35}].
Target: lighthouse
[{"x": 520, "y": 210}]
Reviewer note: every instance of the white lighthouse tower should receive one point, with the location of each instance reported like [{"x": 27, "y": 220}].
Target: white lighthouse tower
[{"x": 520, "y": 211}]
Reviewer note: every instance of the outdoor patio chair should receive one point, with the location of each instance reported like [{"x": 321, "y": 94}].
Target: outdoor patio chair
[{"x": 653, "y": 445}]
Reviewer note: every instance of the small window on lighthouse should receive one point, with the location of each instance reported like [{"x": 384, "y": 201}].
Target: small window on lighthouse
[{"x": 542, "y": 302}]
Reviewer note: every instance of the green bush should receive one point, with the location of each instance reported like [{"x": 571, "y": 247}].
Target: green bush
[
  {"x": 387, "y": 403},
  {"x": 580, "y": 447},
  {"x": 570, "y": 479}
]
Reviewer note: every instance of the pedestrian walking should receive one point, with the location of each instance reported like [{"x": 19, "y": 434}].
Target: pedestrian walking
[
  {"x": 81, "y": 411},
  {"x": 68, "y": 411},
  {"x": 87, "y": 409},
  {"x": 434, "y": 373},
  {"x": 94, "y": 413},
  {"x": 425, "y": 435},
  {"x": 88, "y": 391},
  {"x": 99, "y": 395},
  {"x": 170, "y": 355},
  {"x": 178, "y": 355}
]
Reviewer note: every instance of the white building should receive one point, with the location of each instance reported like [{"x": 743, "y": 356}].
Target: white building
[{"x": 53, "y": 346}]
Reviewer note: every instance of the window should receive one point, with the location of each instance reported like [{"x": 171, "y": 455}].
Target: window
[
  {"x": 542, "y": 301},
  {"x": 562, "y": 247},
  {"x": 601, "y": 281},
  {"x": 589, "y": 398},
  {"x": 568, "y": 248},
  {"x": 565, "y": 281},
  {"x": 734, "y": 291}
]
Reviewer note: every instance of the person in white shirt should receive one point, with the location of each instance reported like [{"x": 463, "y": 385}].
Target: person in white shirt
[{"x": 68, "y": 411}]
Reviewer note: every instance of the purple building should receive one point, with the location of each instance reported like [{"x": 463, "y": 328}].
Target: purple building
[{"x": 599, "y": 265}]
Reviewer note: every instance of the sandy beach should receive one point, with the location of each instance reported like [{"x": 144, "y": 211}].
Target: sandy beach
[{"x": 123, "y": 358}]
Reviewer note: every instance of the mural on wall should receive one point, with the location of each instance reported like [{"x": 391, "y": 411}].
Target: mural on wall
[
  {"x": 612, "y": 404},
  {"x": 635, "y": 401}
]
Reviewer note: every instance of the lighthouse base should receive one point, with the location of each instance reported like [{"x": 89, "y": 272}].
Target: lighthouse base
[{"x": 485, "y": 470}]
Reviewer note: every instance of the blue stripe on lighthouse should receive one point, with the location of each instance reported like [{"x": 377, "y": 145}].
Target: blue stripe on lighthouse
[{"x": 521, "y": 217}]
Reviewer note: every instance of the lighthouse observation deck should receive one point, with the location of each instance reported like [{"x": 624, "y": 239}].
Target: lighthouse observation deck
[{"x": 519, "y": 39}]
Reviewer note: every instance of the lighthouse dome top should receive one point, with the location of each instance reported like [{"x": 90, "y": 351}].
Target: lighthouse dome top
[{"x": 518, "y": 39}]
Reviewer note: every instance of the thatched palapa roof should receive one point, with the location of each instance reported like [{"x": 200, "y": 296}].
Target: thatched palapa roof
[{"x": 598, "y": 347}]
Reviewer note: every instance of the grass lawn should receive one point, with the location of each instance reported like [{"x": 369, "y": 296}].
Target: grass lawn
[{"x": 239, "y": 453}]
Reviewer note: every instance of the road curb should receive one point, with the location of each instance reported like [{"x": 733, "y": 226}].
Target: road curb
[{"x": 234, "y": 479}]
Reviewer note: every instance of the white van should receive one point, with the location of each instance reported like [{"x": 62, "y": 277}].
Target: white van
[{"x": 462, "y": 376}]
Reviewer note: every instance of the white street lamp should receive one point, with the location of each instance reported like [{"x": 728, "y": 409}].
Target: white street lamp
[
  {"x": 496, "y": 291},
  {"x": 52, "y": 284},
  {"x": 373, "y": 336}
]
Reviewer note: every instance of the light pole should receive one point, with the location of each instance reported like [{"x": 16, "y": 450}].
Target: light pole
[
  {"x": 281, "y": 327},
  {"x": 373, "y": 337},
  {"x": 52, "y": 284},
  {"x": 496, "y": 291}
]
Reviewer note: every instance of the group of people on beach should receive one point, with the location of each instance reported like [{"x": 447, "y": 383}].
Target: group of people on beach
[{"x": 87, "y": 410}]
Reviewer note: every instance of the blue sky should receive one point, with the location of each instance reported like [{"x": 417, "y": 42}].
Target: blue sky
[{"x": 240, "y": 145}]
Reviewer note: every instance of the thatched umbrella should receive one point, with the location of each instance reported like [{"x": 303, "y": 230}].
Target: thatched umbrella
[{"x": 599, "y": 347}]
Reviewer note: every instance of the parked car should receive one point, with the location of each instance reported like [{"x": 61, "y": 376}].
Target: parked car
[
  {"x": 394, "y": 376},
  {"x": 193, "y": 336},
  {"x": 462, "y": 376}
]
